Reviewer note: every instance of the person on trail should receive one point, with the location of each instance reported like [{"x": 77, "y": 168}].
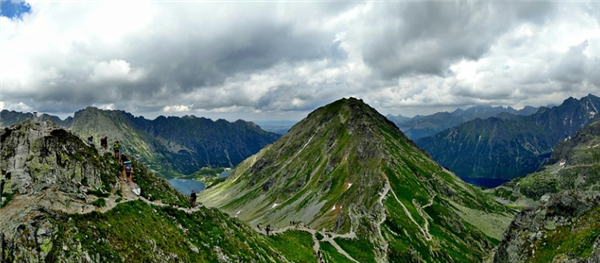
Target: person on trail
[
  {"x": 91, "y": 139},
  {"x": 268, "y": 229},
  {"x": 258, "y": 226},
  {"x": 193, "y": 198},
  {"x": 122, "y": 161},
  {"x": 116, "y": 149},
  {"x": 104, "y": 142},
  {"x": 128, "y": 171}
]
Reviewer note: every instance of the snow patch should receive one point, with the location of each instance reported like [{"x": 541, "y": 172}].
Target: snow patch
[
  {"x": 238, "y": 212},
  {"x": 562, "y": 163},
  {"x": 274, "y": 205},
  {"x": 349, "y": 184},
  {"x": 333, "y": 208},
  {"x": 592, "y": 114}
]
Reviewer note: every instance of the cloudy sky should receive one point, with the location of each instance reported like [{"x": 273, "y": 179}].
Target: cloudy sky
[{"x": 279, "y": 60}]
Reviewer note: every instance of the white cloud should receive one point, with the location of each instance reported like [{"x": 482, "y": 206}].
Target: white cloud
[
  {"x": 288, "y": 58},
  {"x": 176, "y": 108}
]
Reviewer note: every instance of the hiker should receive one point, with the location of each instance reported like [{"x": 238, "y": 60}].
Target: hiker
[
  {"x": 116, "y": 149},
  {"x": 122, "y": 161},
  {"x": 128, "y": 171},
  {"x": 268, "y": 229},
  {"x": 193, "y": 198},
  {"x": 104, "y": 142},
  {"x": 91, "y": 139},
  {"x": 258, "y": 226}
]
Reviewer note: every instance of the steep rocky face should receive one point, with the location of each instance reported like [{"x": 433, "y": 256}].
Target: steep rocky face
[
  {"x": 565, "y": 228},
  {"x": 509, "y": 147},
  {"x": 62, "y": 202},
  {"x": 347, "y": 171},
  {"x": 39, "y": 155}
]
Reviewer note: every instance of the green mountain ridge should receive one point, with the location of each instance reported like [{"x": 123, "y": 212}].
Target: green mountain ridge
[
  {"x": 347, "y": 171},
  {"x": 509, "y": 146}
]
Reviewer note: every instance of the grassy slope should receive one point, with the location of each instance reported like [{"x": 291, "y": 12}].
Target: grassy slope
[
  {"x": 138, "y": 232},
  {"x": 333, "y": 157}
]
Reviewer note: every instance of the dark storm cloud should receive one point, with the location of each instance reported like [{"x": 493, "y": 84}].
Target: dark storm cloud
[{"x": 425, "y": 38}]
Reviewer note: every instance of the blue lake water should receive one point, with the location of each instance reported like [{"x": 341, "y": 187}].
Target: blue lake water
[
  {"x": 186, "y": 186},
  {"x": 224, "y": 174},
  {"x": 485, "y": 182}
]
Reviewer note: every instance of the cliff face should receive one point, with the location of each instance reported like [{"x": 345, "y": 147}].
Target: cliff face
[
  {"x": 41, "y": 157},
  {"x": 44, "y": 169},
  {"x": 564, "y": 228}
]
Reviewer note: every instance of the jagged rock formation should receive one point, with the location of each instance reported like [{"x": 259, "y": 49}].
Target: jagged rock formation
[
  {"x": 509, "y": 147},
  {"x": 349, "y": 173},
  {"x": 565, "y": 228},
  {"x": 63, "y": 202}
]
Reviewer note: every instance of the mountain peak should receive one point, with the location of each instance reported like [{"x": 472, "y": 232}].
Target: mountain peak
[{"x": 346, "y": 169}]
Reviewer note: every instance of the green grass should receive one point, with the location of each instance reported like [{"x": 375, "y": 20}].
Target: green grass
[
  {"x": 137, "y": 232},
  {"x": 8, "y": 196},
  {"x": 330, "y": 254},
  {"x": 359, "y": 249},
  {"x": 100, "y": 202},
  {"x": 294, "y": 245}
]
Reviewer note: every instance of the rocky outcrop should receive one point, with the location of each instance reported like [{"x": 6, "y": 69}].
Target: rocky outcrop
[{"x": 563, "y": 228}]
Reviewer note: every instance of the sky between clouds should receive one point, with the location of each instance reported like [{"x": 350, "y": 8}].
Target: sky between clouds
[{"x": 281, "y": 60}]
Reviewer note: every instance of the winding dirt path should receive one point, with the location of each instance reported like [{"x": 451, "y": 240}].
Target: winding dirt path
[{"x": 423, "y": 231}]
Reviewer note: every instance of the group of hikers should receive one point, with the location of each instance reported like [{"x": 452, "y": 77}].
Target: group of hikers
[
  {"x": 104, "y": 144},
  {"x": 126, "y": 168},
  {"x": 267, "y": 229}
]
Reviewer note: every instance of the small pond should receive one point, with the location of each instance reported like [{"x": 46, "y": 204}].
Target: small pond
[{"x": 186, "y": 186}]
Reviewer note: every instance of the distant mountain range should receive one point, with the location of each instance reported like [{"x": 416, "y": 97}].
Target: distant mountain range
[
  {"x": 349, "y": 172},
  {"x": 170, "y": 145},
  {"x": 424, "y": 126},
  {"x": 509, "y": 146}
]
